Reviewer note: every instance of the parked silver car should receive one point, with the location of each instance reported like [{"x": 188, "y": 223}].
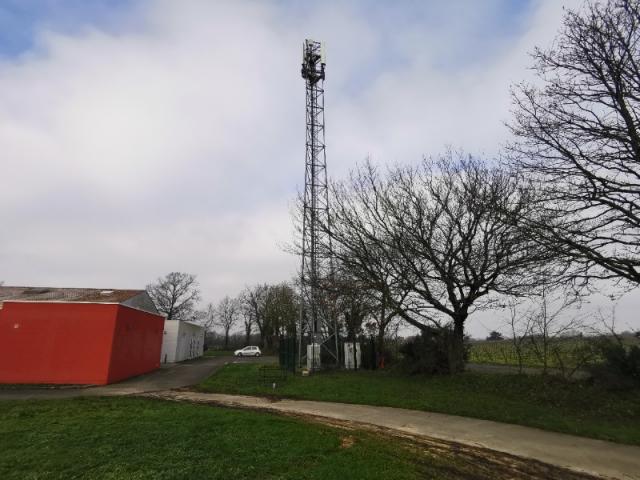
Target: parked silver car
[{"x": 248, "y": 352}]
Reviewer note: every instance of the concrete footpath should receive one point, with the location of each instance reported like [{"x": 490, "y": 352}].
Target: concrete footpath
[{"x": 582, "y": 454}]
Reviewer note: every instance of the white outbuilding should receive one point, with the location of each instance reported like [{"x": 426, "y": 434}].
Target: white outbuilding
[{"x": 181, "y": 341}]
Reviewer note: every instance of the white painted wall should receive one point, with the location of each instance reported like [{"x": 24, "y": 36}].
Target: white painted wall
[
  {"x": 181, "y": 341},
  {"x": 313, "y": 356}
]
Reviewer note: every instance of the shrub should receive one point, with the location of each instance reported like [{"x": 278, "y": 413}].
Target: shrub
[
  {"x": 495, "y": 336},
  {"x": 389, "y": 355},
  {"x": 430, "y": 352},
  {"x": 621, "y": 364}
]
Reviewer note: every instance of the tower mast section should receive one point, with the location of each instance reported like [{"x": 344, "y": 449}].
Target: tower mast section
[{"x": 318, "y": 334}]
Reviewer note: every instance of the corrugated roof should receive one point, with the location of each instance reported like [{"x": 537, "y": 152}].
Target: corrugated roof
[{"x": 46, "y": 294}]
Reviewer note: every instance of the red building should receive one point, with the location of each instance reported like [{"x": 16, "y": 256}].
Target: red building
[{"x": 77, "y": 336}]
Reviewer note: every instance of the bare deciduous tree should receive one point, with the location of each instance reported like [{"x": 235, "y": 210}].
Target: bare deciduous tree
[
  {"x": 248, "y": 318},
  {"x": 520, "y": 326},
  {"x": 253, "y": 305},
  {"x": 549, "y": 326},
  {"x": 550, "y": 322},
  {"x": 208, "y": 317},
  {"x": 578, "y": 137},
  {"x": 272, "y": 308},
  {"x": 353, "y": 305},
  {"x": 382, "y": 315},
  {"x": 372, "y": 290},
  {"x": 227, "y": 315},
  {"x": 281, "y": 312},
  {"x": 436, "y": 240},
  {"x": 175, "y": 295}
]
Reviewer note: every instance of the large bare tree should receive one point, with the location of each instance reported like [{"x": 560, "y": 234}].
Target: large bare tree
[
  {"x": 353, "y": 304},
  {"x": 248, "y": 318},
  {"x": 578, "y": 137},
  {"x": 253, "y": 305},
  {"x": 207, "y": 317},
  {"x": 437, "y": 239},
  {"x": 367, "y": 282},
  {"x": 281, "y": 312},
  {"x": 227, "y": 312},
  {"x": 175, "y": 295},
  {"x": 272, "y": 308}
]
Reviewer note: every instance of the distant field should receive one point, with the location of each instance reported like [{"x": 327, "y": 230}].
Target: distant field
[
  {"x": 503, "y": 352},
  {"x": 567, "y": 352}
]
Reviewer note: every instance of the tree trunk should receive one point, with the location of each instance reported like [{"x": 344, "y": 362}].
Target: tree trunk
[
  {"x": 269, "y": 342},
  {"x": 226, "y": 338},
  {"x": 382, "y": 326},
  {"x": 380, "y": 347},
  {"x": 247, "y": 335},
  {"x": 456, "y": 349},
  {"x": 261, "y": 332}
]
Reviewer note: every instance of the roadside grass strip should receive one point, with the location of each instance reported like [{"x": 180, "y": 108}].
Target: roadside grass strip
[{"x": 576, "y": 408}]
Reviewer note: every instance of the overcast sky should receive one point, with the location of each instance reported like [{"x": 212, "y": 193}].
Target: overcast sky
[{"x": 142, "y": 137}]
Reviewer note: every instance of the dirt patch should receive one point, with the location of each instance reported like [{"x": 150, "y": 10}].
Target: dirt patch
[
  {"x": 477, "y": 463},
  {"x": 347, "y": 442}
]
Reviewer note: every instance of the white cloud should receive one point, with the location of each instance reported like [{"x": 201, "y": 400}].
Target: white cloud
[{"x": 175, "y": 142}]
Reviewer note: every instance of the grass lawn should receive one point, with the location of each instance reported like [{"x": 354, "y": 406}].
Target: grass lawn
[
  {"x": 129, "y": 438},
  {"x": 536, "y": 401},
  {"x": 218, "y": 353}
]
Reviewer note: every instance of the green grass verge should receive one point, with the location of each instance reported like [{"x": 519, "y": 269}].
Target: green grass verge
[
  {"x": 536, "y": 401},
  {"x": 129, "y": 438},
  {"x": 218, "y": 353}
]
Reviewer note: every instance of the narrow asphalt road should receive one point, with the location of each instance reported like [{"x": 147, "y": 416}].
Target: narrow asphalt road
[{"x": 167, "y": 377}]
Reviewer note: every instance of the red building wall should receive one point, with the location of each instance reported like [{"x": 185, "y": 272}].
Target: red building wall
[
  {"x": 56, "y": 342},
  {"x": 76, "y": 343},
  {"x": 136, "y": 343}
]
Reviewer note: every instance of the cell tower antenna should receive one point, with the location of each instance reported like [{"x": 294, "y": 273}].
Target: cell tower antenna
[{"x": 318, "y": 332}]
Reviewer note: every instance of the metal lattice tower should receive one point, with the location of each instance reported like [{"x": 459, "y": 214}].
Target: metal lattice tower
[{"x": 318, "y": 328}]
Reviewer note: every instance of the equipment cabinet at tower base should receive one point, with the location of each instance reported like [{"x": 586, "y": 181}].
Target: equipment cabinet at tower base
[
  {"x": 352, "y": 361},
  {"x": 313, "y": 356}
]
